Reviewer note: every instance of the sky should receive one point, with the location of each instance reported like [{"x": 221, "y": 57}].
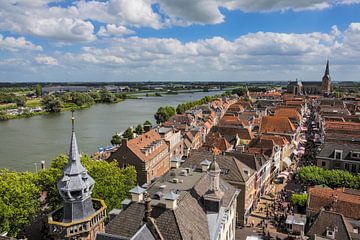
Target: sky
[{"x": 178, "y": 40}]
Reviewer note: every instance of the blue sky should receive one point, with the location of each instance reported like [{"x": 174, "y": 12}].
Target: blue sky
[{"x": 187, "y": 40}]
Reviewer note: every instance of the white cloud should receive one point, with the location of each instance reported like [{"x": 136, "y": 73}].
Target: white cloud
[
  {"x": 46, "y": 60},
  {"x": 113, "y": 30},
  {"x": 15, "y": 44}
]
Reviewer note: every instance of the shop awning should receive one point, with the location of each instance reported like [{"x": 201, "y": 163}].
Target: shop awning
[{"x": 287, "y": 162}]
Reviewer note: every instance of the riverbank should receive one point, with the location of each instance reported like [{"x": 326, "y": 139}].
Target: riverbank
[
  {"x": 25, "y": 142},
  {"x": 26, "y": 112}
]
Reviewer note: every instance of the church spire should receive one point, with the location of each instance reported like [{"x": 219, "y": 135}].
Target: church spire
[
  {"x": 76, "y": 185},
  {"x": 326, "y": 80},
  {"x": 327, "y": 72}
]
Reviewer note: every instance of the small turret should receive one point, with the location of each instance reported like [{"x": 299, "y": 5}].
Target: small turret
[{"x": 76, "y": 185}]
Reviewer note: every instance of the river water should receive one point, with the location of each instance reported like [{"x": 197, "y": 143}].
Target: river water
[{"x": 25, "y": 142}]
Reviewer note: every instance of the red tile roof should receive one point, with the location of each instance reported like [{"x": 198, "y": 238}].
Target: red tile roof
[
  {"x": 278, "y": 140},
  {"x": 215, "y": 140},
  {"x": 275, "y": 124},
  {"x": 344, "y": 201},
  {"x": 147, "y": 146},
  {"x": 291, "y": 113}
]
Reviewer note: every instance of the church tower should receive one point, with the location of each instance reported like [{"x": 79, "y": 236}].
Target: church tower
[
  {"x": 81, "y": 216},
  {"x": 326, "y": 80}
]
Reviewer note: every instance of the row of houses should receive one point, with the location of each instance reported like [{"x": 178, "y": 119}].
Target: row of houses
[
  {"x": 229, "y": 140},
  {"x": 339, "y": 129}
]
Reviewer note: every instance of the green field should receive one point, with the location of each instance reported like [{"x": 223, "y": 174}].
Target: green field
[
  {"x": 7, "y": 106},
  {"x": 33, "y": 102}
]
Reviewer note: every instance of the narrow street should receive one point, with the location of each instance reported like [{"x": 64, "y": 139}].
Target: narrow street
[{"x": 268, "y": 219}]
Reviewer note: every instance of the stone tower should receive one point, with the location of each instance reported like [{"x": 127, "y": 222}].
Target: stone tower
[
  {"x": 81, "y": 216},
  {"x": 326, "y": 80}
]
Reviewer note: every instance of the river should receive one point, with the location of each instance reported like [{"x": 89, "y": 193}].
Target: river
[{"x": 25, "y": 142}]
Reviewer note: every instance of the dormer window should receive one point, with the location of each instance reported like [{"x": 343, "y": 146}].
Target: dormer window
[
  {"x": 338, "y": 154},
  {"x": 330, "y": 233},
  {"x": 355, "y": 155}
]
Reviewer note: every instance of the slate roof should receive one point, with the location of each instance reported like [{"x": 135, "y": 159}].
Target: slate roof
[
  {"x": 232, "y": 169},
  {"x": 187, "y": 221},
  {"x": 253, "y": 161},
  {"x": 328, "y": 150},
  {"x": 347, "y": 201},
  {"x": 330, "y": 220}
]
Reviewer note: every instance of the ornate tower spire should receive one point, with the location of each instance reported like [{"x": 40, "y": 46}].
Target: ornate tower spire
[
  {"x": 326, "y": 80},
  {"x": 214, "y": 173},
  {"x": 76, "y": 185}
]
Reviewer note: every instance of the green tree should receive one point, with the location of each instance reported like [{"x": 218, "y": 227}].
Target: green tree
[
  {"x": 19, "y": 200},
  {"x": 129, "y": 134},
  {"x": 241, "y": 91},
  {"x": 112, "y": 183},
  {"x": 147, "y": 126},
  {"x": 52, "y": 103},
  {"x": 107, "y": 97},
  {"x": 312, "y": 175},
  {"x": 139, "y": 129},
  {"x": 164, "y": 113},
  {"x": 299, "y": 199},
  {"x": 38, "y": 90},
  {"x": 116, "y": 139},
  {"x": 20, "y": 101},
  {"x": 95, "y": 95}
]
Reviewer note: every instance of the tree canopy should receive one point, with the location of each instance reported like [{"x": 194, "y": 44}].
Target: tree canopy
[
  {"x": 241, "y": 91},
  {"x": 183, "y": 107},
  {"x": 164, "y": 113},
  {"x": 312, "y": 175},
  {"x": 139, "y": 129},
  {"x": 116, "y": 139},
  {"x": 19, "y": 200},
  {"x": 20, "y": 191},
  {"x": 129, "y": 134},
  {"x": 52, "y": 103},
  {"x": 299, "y": 199}
]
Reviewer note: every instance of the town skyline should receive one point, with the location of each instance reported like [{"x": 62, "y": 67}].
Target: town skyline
[{"x": 115, "y": 40}]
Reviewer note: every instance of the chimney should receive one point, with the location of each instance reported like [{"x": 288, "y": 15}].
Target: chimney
[
  {"x": 171, "y": 200},
  {"x": 124, "y": 141},
  {"x": 205, "y": 165},
  {"x": 137, "y": 194},
  {"x": 148, "y": 208}
]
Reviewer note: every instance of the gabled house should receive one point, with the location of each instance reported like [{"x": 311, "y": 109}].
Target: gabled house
[
  {"x": 343, "y": 156},
  {"x": 235, "y": 173},
  {"x": 148, "y": 153},
  {"x": 183, "y": 204}
]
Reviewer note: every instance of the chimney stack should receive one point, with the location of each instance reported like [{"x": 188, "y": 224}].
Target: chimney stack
[
  {"x": 171, "y": 200},
  {"x": 137, "y": 194},
  {"x": 148, "y": 208}
]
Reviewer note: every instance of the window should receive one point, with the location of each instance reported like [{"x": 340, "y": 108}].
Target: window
[
  {"x": 355, "y": 154},
  {"x": 338, "y": 154},
  {"x": 323, "y": 163},
  {"x": 330, "y": 234},
  {"x": 347, "y": 167},
  {"x": 353, "y": 168}
]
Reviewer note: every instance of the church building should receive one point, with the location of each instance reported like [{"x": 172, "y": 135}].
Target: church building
[{"x": 312, "y": 88}]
